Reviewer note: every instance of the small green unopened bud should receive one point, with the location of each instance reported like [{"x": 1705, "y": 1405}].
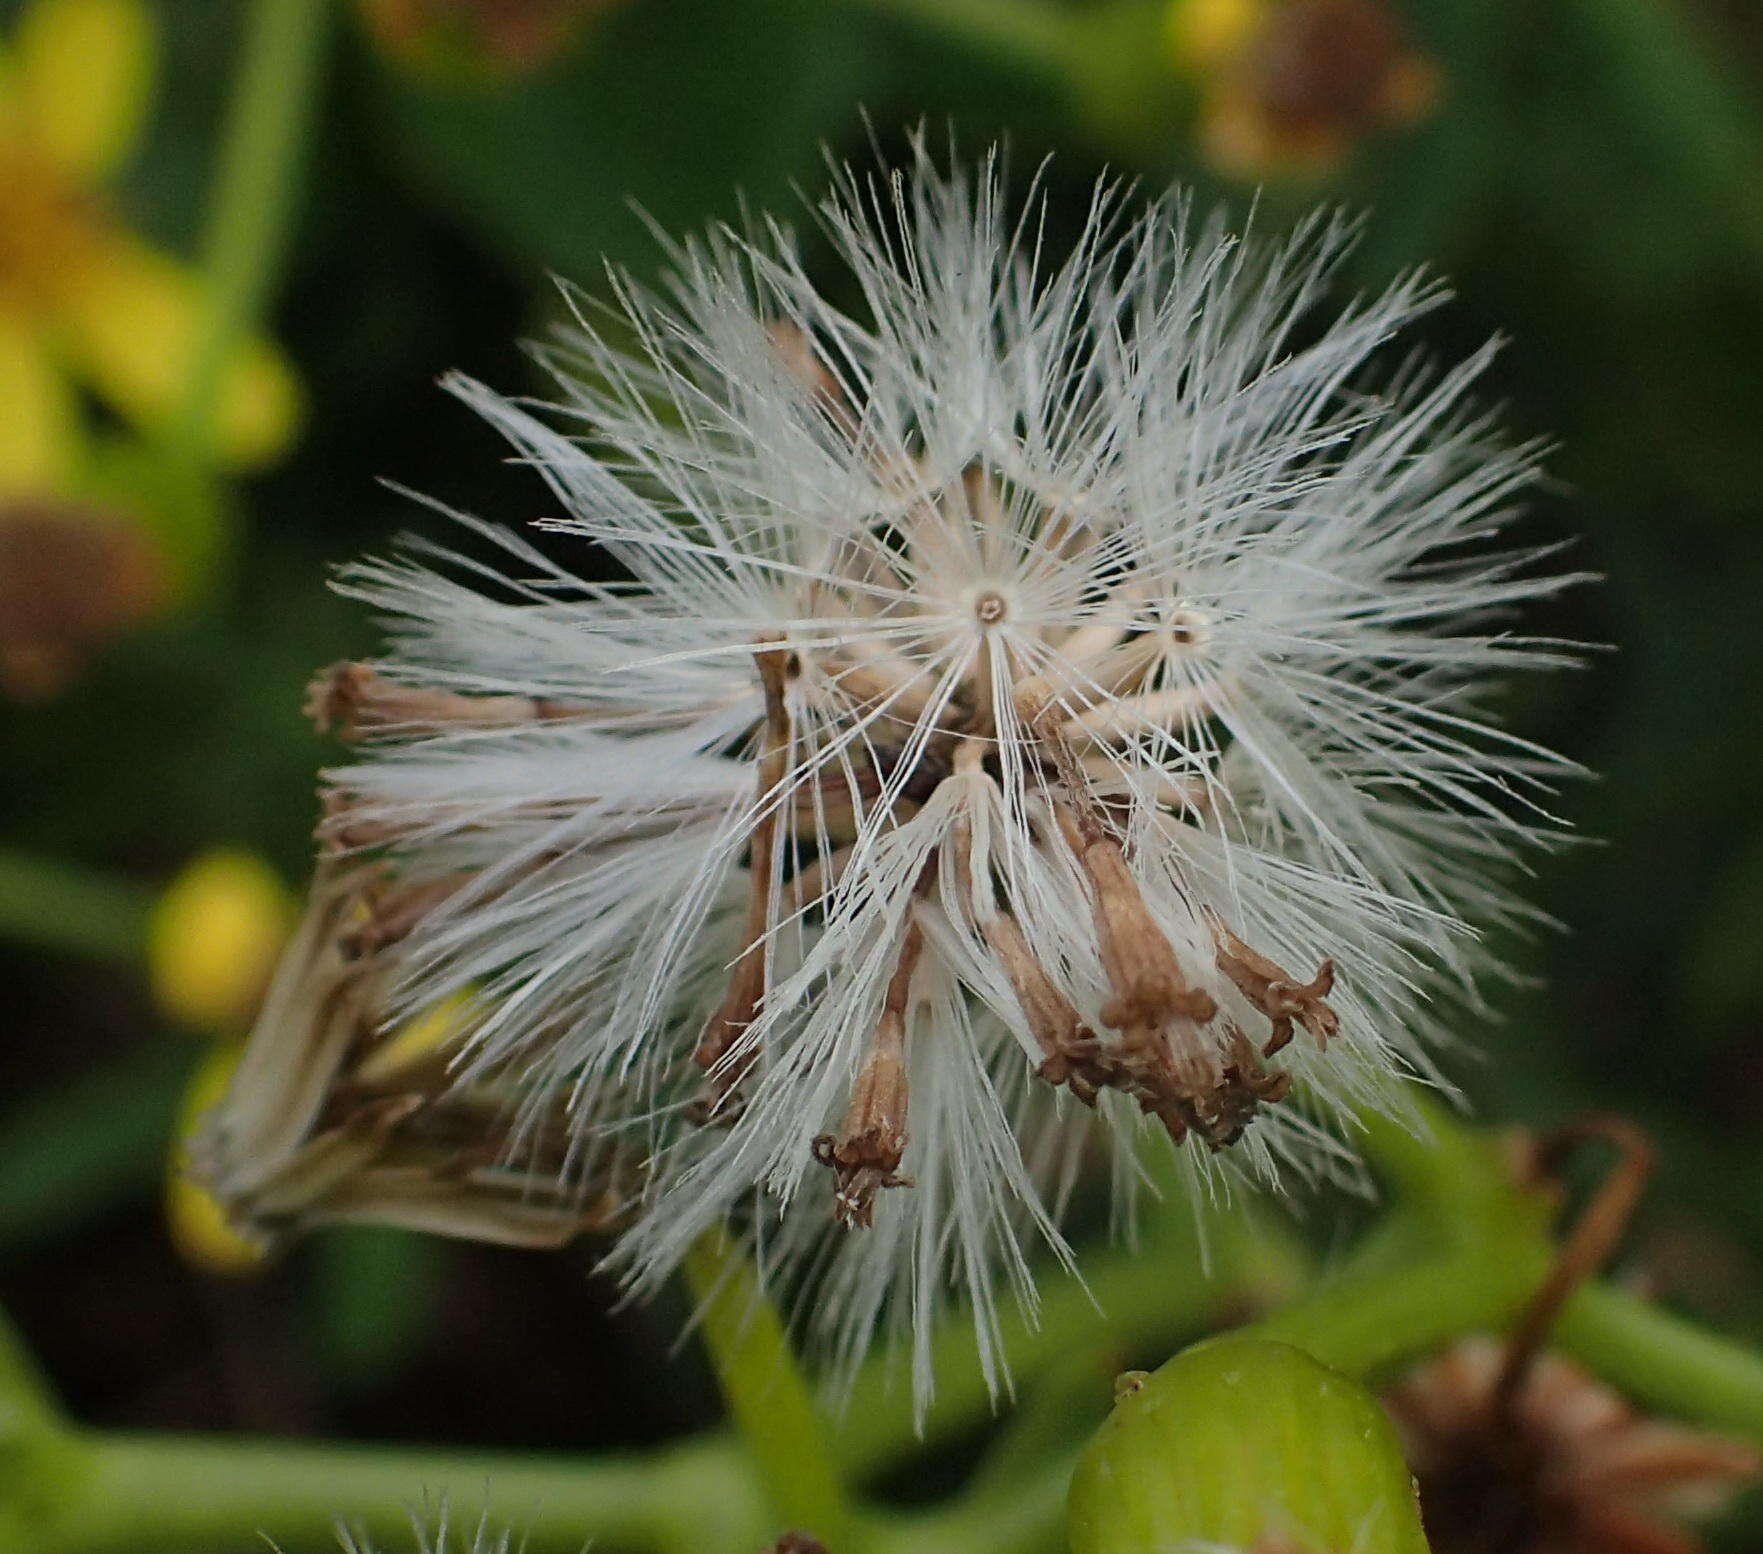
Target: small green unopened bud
[{"x": 1245, "y": 1444}]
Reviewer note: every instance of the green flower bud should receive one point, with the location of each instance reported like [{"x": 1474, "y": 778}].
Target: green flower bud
[{"x": 1241, "y": 1443}]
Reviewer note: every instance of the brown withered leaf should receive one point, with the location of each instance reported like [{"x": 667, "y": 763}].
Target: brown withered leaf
[{"x": 1571, "y": 1468}]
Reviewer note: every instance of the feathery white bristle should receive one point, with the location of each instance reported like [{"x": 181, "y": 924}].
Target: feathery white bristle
[
  {"x": 1121, "y": 547},
  {"x": 442, "y": 1535}
]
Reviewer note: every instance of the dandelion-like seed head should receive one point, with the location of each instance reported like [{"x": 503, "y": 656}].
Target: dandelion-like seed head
[{"x": 1041, "y": 713}]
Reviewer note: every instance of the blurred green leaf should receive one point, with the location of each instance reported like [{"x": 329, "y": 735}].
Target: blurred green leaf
[
  {"x": 1723, "y": 969},
  {"x": 60, "y": 906},
  {"x": 373, "y": 1299},
  {"x": 1704, "y": 117},
  {"x": 97, "y": 1140},
  {"x": 1426, "y": 188},
  {"x": 681, "y": 106},
  {"x": 187, "y": 511}
]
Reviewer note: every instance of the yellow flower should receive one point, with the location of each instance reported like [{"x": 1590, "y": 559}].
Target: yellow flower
[
  {"x": 1289, "y": 88},
  {"x": 213, "y": 940},
  {"x": 1207, "y": 34},
  {"x": 84, "y": 301},
  {"x": 212, "y": 943},
  {"x": 200, "y": 1228}
]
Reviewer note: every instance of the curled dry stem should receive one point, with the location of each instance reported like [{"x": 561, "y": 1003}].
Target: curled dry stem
[{"x": 1587, "y": 1246}]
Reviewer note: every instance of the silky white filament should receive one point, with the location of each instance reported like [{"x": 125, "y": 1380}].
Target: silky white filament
[{"x": 1044, "y": 709}]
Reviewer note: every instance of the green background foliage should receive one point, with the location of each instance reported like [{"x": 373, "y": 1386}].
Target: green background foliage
[{"x": 1590, "y": 177}]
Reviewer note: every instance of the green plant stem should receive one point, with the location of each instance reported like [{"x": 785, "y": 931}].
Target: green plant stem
[
  {"x": 1427, "y": 1277},
  {"x": 768, "y": 1396},
  {"x": 203, "y": 1495},
  {"x": 1066, "y": 1402},
  {"x": 1433, "y": 1162},
  {"x": 1180, "y": 1284},
  {"x": 1364, "y": 1327},
  {"x": 219, "y": 1495},
  {"x": 59, "y": 906},
  {"x": 1464, "y": 1252},
  {"x": 1663, "y": 1361},
  {"x": 272, "y": 105},
  {"x": 1035, "y": 33},
  {"x": 26, "y": 1400},
  {"x": 1025, "y": 1516}
]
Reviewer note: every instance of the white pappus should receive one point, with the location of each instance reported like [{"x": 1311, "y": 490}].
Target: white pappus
[{"x": 1043, "y": 716}]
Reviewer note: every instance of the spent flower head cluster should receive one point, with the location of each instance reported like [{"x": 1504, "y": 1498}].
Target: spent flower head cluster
[{"x": 1042, "y": 721}]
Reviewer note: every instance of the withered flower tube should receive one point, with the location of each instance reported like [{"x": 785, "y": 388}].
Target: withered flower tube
[{"x": 340, "y": 1113}]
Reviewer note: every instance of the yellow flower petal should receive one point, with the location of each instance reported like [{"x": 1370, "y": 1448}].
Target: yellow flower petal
[
  {"x": 199, "y": 1226},
  {"x": 422, "y": 1037},
  {"x": 213, "y": 939},
  {"x": 1203, "y": 35},
  {"x": 84, "y": 70},
  {"x": 39, "y": 421},
  {"x": 132, "y": 315}
]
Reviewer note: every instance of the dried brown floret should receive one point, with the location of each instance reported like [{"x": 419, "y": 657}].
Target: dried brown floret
[
  {"x": 865, "y": 1154},
  {"x": 1275, "y": 991},
  {"x": 71, "y": 578},
  {"x": 356, "y": 701},
  {"x": 339, "y": 1112},
  {"x": 1568, "y": 1468},
  {"x": 746, "y": 990}
]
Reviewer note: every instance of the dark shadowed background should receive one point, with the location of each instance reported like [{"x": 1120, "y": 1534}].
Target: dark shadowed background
[{"x": 1589, "y": 174}]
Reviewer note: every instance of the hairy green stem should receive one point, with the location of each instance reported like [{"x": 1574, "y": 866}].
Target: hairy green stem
[
  {"x": 261, "y": 154},
  {"x": 767, "y": 1395},
  {"x": 1464, "y": 1253},
  {"x": 1364, "y": 1327},
  {"x": 218, "y": 1495},
  {"x": 203, "y": 1495}
]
